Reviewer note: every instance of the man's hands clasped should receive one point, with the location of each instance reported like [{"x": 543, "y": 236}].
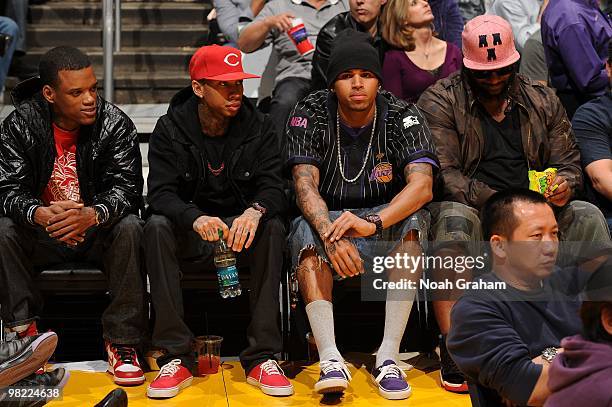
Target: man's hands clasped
[{"x": 66, "y": 221}]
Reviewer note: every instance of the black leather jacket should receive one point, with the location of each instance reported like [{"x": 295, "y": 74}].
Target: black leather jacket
[
  {"x": 326, "y": 36},
  {"x": 108, "y": 159}
]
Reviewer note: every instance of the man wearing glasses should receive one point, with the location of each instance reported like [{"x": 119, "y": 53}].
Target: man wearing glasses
[{"x": 491, "y": 126}]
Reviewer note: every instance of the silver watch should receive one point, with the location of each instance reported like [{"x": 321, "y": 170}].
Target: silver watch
[{"x": 549, "y": 354}]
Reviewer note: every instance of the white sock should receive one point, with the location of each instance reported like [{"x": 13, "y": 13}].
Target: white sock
[
  {"x": 321, "y": 316},
  {"x": 396, "y": 317}
]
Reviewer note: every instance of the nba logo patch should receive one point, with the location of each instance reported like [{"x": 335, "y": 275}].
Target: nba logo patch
[
  {"x": 297, "y": 121},
  {"x": 410, "y": 121},
  {"x": 382, "y": 173}
]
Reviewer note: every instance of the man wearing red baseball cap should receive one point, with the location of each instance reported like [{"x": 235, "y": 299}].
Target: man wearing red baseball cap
[
  {"x": 214, "y": 164},
  {"x": 491, "y": 126}
]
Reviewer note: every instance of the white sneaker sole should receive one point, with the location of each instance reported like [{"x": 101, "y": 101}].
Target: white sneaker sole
[
  {"x": 331, "y": 386},
  {"x": 392, "y": 395},
  {"x": 126, "y": 381},
  {"x": 269, "y": 390},
  {"x": 395, "y": 395},
  {"x": 170, "y": 392},
  {"x": 453, "y": 387}
]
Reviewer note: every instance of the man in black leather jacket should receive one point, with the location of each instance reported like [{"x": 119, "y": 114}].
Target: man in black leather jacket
[
  {"x": 70, "y": 190},
  {"x": 363, "y": 16},
  {"x": 215, "y": 166}
]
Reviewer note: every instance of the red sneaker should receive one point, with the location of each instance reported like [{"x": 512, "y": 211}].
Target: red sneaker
[
  {"x": 172, "y": 378},
  {"x": 270, "y": 378},
  {"x": 123, "y": 365}
]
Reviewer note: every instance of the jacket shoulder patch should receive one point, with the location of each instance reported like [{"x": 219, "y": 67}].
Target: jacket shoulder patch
[
  {"x": 297, "y": 121},
  {"x": 410, "y": 121}
]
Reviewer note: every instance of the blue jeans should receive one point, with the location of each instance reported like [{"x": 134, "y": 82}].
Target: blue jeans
[{"x": 7, "y": 27}]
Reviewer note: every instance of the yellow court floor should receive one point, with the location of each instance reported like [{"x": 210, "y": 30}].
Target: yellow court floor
[{"x": 229, "y": 388}]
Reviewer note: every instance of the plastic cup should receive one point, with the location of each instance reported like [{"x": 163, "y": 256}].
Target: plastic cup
[
  {"x": 299, "y": 36},
  {"x": 208, "y": 354}
]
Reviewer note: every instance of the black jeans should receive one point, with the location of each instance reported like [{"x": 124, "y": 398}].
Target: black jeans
[
  {"x": 116, "y": 251},
  {"x": 165, "y": 250},
  {"x": 285, "y": 96}
]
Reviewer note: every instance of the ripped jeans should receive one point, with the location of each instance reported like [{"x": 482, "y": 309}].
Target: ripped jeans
[{"x": 304, "y": 237}]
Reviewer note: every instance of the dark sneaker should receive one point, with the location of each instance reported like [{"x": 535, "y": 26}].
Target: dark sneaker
[
  {"x": 21, "y": 357},
  {"x": 55, "y": 378},
  {"x": 334, "y": 377},
  {"x": 391, "y": 381},
  {"x": 450, "y": 376},
  {"x": 116, "y": 398}
]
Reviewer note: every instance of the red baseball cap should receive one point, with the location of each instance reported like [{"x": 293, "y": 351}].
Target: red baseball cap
[
  {"x": 488, "y": 43},
  {"x": 217, "y": 63}
]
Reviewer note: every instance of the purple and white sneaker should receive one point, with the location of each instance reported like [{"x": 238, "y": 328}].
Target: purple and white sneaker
[
  {"x": 334, "y": 377},
  {"x": 391, "y": 381}
]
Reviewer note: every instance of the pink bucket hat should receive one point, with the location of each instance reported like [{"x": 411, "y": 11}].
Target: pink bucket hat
[{"x": 488, "y": 43}]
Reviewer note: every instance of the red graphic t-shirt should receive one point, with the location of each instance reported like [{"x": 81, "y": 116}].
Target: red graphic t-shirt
[{"x": 64, "y": 182}]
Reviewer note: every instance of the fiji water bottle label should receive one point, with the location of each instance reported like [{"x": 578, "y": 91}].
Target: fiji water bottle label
[{"x": 228, "y": 276}]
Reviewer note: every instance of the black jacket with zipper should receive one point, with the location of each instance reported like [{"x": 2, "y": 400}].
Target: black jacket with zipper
[
  {"x": 109, "y": 165},
  {"x": 176, "y": 162}
]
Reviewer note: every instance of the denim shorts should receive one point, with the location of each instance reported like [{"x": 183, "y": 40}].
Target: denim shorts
[{"x": 304, "y": 237}]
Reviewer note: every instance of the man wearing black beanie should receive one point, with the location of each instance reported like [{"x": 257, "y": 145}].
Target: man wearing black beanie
[
  {"x": 352, "y": 49},
  {"x": 362, "y": 162}
]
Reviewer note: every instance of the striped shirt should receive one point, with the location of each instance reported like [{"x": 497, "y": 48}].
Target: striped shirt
[{"x": 401, "y": 137}]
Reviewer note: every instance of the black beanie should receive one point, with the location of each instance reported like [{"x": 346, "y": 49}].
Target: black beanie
[{"x": 352, "y": 50}]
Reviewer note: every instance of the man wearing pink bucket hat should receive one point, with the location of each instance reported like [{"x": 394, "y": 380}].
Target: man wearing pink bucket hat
[{"x": 491, "y": 126}]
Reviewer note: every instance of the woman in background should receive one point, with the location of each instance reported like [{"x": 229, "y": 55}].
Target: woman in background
[{"x": 420, "y": 59}]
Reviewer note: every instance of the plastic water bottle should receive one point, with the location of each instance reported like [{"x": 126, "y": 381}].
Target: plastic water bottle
[{"x": 227, "y": 273}]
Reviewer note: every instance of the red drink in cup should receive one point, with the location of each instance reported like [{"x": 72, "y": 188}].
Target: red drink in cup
[
  {"x": 299, "y": 36},
  {"x": 208, "y": 352},
  {"x": 208, "y": 364}
]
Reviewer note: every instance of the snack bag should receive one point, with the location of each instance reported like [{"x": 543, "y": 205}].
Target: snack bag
[{"x": 539, "y": 181}]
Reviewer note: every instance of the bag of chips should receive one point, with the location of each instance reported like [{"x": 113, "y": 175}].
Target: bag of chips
[{"x": 539, "y": 181}]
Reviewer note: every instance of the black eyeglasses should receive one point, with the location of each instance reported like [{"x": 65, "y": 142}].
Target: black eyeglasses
[{"x": 487, "y": 74}]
